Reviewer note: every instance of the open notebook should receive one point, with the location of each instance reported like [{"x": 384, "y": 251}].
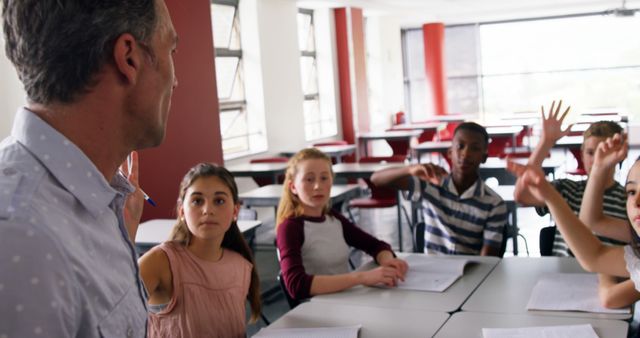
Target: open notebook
[
  {"x": 429, "y": 273},
  {"x": 568, "y": 292},
  {"x": 319, "y": 332}
]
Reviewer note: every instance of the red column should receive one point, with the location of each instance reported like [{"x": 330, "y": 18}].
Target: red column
[
  {"x": 434, "y": 65},
  {"x": 193, "y": 128},
  {"x": 353, "y": 95}
]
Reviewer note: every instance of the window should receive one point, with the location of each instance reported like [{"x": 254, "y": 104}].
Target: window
[
  {"x": 234, "y": 128},
  {"x": 318, "y": 123},
  {"x": 504, "y": 67}
]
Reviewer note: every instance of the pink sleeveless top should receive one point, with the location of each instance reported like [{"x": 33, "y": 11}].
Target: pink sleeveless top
[{"x": 208, "y": 297}]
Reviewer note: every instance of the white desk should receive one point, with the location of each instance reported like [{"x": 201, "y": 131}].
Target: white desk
[
  {"x": 269, "y": 195},
  {"x": 470, "y": 324},
  {"x": 448, "y": 301},
  {"x": 509, "y": 286},
  {"x": 376, "y": 322},
  {"x": 156, "y": 231}
]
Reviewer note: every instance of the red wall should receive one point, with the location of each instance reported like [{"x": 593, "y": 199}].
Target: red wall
[
  {"x": 193, "y": 131},
  {"x": 346, "y": 18},
  {"x": 434, "y": 65}
]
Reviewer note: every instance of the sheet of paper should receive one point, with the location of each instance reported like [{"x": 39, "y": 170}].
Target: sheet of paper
[
  {"x": 568, "y": 292},
  {"x": 564, "y": 331},
  {"x": 318, "y": 332},
  {"x": 432, "y": 273}
]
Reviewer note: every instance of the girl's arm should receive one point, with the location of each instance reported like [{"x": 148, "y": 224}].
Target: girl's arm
[
  {"x": 551, "y": 133},
  {"x": 155, "y": 272},
  {"x": 614, "y": 294},
  {"x": 322, "y": 284},
  {"x": 608, "y": 154},
  {"x": 592, "y": 255}
]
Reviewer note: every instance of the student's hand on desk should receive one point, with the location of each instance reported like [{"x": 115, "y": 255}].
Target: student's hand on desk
[
  {"x": 530, "y": 178},
  {"x": 400, "y": 265},
  {"x": 552, "y": 123},
  {"x": 134, "y": 204},
  {"x": 381, "y": 275},
  {"x": 428, "y": 172},
  {"x": 611, "y": 151}
]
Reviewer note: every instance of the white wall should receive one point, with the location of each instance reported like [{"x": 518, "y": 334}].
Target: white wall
[{"x": 12, "y": 94}]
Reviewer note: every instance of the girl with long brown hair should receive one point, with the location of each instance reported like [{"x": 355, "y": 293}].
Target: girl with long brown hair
[{"x": 199, "y": 280}]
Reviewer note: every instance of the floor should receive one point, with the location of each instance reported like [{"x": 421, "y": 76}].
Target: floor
[{"x": 382, "y": 224}]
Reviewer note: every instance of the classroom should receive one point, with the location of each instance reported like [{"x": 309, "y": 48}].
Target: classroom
[{"x": 448, "y": 142}]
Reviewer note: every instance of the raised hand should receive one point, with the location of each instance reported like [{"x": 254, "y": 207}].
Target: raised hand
[
  {"x": 552, "y": 123},
  {"x": 611, "y": 151},
  {"x": 134, "y": 204},
  {"x": 428, "y": 172},
  {"x": 530, "y": 178}
]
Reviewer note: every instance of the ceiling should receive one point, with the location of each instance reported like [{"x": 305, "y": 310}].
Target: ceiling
[{"x": 414, "y": 13}]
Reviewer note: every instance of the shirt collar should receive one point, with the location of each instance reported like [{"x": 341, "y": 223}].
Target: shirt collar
[
  {"x": 475, "y": 190},
  {"x": 67, "y": 163}
]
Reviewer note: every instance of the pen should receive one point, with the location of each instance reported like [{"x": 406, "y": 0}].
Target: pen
[{"x": 148, "y": 199}]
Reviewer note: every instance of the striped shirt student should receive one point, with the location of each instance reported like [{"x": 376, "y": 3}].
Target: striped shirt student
[
  {"x": 460, "y": 224},
  {"x": 614, "y": 204}
]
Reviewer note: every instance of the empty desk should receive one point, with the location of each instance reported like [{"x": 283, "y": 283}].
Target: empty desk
[
  {"x": 376, "y": 322},
  {"x": 269, "y": 195},
  {"x": 470, "y": 324},
  {"x": 269, "y": 170}
]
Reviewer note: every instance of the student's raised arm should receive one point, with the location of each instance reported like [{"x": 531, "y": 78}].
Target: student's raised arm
[
  {"x": 551, "y": 133},
  {"x": 592, "y": 255},
  {"x": 399, "y": 178},
  {"x": 608, "y": 154}
]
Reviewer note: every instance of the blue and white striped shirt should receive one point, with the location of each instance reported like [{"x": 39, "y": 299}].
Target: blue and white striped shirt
[{"x": 461, "y": 224}]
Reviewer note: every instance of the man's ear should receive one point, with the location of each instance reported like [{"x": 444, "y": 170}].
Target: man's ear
[{"x": 127, "y": 56}]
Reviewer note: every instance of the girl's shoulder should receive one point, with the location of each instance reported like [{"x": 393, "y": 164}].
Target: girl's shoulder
[{"x": 234, "y": 258}]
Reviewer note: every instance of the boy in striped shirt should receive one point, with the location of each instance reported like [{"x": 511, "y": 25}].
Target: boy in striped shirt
[
  {"x": 614, "y": 196},
  {"x": 462, "y": 215}
]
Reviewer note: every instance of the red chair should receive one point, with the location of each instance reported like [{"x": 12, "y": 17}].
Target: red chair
[
  {"x": 262, "y": 181},
  {"x": 381, "y": 197}
]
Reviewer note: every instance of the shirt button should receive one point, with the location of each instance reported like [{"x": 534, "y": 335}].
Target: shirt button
[{"x": 129, "y": 332}]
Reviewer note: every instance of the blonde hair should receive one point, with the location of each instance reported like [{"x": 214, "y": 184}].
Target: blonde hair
[
  {"x": 602, "y": 129},
  {"x": 290, "y": 204},
  {"x": 233, "y": 238}
]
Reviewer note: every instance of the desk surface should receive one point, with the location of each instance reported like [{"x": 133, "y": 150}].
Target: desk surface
[
  {"x": 509, "y": 286},
  {"x": 332, "y": 151},
  {"x": 470, "y": 324},
  {"x": 436, "y": 146},
  {"x": 361, "y": 170},
  {"x": 390, "y": 135},
  {"x": 269, "y": 195},
  {"x": 569, "y": 142},
  {"x": 448, "y": 301},
  {"x": 504, "y": 131},
  {"x": 376, "y": 322},
  {"x": 419, "y": 126},
  {"x": 256, "y": 169},
  {"x": 156, "y": 231}
]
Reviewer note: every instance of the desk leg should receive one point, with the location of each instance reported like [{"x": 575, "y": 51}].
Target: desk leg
[
  {"x": 398, "y": 206},
  {"x": 514, "y": 224}
]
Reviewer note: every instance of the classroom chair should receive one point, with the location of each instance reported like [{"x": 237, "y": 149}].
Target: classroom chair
[
  {"x": 547, "y": 235},
  {"x": 380, "y": 197},
  {"x": 418, "y": 237},
  {"x": 262, "y": 181}
]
